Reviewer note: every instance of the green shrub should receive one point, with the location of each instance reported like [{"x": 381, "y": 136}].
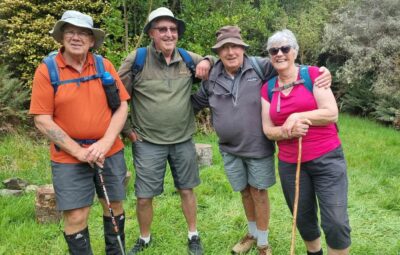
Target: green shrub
[
  {"x": 25, "y": 27},
  {"x": 13, "y": 101},
  {"x": 364, "y": 40}
]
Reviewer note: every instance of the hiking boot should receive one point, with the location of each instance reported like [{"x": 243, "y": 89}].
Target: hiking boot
[
  {"x": 244, "y": 245},
  {"x": 139, "y": 246},
  {"x": 264, "y": 250},
  {"x": 194, "y": 246}
]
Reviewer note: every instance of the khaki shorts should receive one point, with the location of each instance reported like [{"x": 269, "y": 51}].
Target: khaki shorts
[
  {"x": 75, "y": 183},
  {"x": 150, "y": 162}
]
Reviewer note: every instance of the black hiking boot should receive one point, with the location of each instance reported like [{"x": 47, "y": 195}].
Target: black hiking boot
[
  {"x": 110, "y": 237},
  {"x": 194, "y": 246},
  {"x": 139, "y": 246},
  {"x": 79, "y": 243}
]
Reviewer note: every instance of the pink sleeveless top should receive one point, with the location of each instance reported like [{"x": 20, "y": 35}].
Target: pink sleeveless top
[{"x": 319, "y": 139}]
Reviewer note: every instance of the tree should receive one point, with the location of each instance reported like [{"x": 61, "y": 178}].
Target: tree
[{"x": 364, "y": 40}]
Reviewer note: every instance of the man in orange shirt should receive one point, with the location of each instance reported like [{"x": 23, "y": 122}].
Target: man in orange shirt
[{"x": 83, "y": 131}]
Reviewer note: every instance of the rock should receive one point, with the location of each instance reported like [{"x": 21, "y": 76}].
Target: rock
[
  {"x": 204, "y": 154},
  {"x": 45, "y": 205},
  {"x": 31, "y": 188},
  {"x": 15, "y": 183},
  {"x": 10, "y": 192},
  {"x": 127, "y": 178}
]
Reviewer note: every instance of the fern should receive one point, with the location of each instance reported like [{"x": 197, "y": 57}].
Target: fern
[{"x": 13, "y": 101}]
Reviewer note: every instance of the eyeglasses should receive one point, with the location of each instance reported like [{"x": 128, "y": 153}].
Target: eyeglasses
[
  {"x": 164, "y": 30},
  {"x": 284, "y": 49},
  {"x": 80, "y": 34}
]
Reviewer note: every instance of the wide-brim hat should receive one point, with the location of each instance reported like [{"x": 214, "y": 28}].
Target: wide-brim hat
[
  {"x": 228, "y": 34},
  {"x": 77, "y": 19},
  {"x": 163, "y": 12}
]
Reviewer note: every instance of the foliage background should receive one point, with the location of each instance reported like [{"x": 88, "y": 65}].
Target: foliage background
[{"x": 358, "y": 40}]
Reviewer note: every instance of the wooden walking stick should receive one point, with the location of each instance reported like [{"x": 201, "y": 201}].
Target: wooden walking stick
[{"x": 296, "y": 198}]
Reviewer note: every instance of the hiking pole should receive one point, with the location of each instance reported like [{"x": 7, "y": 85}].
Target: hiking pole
[
  {"x": 116, "y": 229},
  {"x": 296, "y": 198}
]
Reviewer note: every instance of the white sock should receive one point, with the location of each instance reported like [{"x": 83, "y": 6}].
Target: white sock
[
  {"x": 191, "y": 234},
  {"x": 262, "y": 237},
  {"x": 145, "y": 239},
  {"x": 252, "y": 227}
]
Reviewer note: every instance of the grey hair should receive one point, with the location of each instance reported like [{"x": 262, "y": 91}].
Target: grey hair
[{"x": 281, "y": 36}]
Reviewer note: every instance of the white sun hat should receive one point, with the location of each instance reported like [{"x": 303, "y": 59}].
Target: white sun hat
[{"x": 77, "y": 19}]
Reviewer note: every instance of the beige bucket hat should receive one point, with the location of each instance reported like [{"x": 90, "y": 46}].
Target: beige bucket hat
[{"x": 77, "y": 19}]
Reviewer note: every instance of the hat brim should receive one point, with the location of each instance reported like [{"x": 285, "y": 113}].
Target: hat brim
[
  {"x": 57, "y": 34},
  {"x": 229, "y": 40},
  {"x": 179, "y": 22}
]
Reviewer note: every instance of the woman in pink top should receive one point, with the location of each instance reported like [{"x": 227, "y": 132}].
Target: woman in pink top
[{"x": 295, "y": 111}]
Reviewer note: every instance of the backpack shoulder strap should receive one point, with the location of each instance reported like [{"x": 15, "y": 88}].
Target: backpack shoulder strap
[
  {"x": 257, "y": 67},
  {"x": 271, "y": 85},
  {"x": 99, "y": 64},
  {"x": 138, "y": 63},
  {"x": 188, "y": 61},
  {"x": 305, "y": 75},
  {"x": 50, "y": 62}
]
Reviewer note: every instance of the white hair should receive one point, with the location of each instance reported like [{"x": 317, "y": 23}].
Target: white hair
[{"x": 283, "y": 36}]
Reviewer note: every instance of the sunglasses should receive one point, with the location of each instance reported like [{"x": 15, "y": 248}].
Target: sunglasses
[
  {"x": 164, "y": 30},
  {"x": 284, "y": 49}
]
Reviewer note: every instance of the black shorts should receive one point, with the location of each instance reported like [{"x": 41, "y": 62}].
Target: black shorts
[
  {"x": 324, "y": 180},
  {"x": 75, "y": 183}
]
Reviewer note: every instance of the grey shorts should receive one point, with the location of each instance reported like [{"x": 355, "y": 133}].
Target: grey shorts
[
  {"x": 151, "y": 164},
  {"x": 75, "y": 184},
  {"x": 256, "y": 172},
  {"x": 324, "y": 180}
]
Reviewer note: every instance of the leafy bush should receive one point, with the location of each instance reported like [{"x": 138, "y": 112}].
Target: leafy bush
[
  {"x": 25, "y": 27},
  {"x": 13, "y": 101},
  {"x": 364, "y": 40}
]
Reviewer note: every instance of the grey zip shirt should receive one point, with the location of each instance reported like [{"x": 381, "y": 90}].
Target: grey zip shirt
[{"x": 236, "y": 108}]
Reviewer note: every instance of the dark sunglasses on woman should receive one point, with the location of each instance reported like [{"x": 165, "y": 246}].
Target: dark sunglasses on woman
[{"x": 284, "y": 49}]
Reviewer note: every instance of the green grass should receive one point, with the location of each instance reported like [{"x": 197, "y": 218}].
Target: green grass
[{"x": 372, "y": 152}]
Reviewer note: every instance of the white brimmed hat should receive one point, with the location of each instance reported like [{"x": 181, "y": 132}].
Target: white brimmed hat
[
  {"x": 163, "y": 12},
  {"x": 77, "y": 19}
]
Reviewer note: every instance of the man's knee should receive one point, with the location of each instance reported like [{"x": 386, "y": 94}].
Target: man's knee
[
  {"x": 260, "y": 196},
  {"x": 76, "y": 217},
  {"x": 186, "y": 193},
  {"x": 116, "y": 206},
  {"x": 246, "y": 194},
  {"x": 143, "y": 202}
]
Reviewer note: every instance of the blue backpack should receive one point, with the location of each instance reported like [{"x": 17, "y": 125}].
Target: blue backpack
[
  {"x": 304, "y": 75},
  {"x": 51, "y": 64},
  {"x": 140, "y": 58}
]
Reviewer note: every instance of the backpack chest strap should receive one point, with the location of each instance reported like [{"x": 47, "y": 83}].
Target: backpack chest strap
[
  {"x": 289, "y": 85},
  {"x": 77, "y": 80}
]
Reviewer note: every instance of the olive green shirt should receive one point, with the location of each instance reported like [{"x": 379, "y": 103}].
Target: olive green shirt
[{"x": 161, "y": 111}]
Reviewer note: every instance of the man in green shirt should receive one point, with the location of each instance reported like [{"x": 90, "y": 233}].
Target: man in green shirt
[{"x": 162, "y": 124}]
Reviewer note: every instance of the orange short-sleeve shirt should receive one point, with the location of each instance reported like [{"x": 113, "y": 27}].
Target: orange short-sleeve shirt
[{"x": 80, "y": 110}]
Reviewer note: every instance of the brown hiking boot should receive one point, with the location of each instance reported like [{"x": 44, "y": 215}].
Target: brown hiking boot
[
  {"x": 264, "y": 250},
  {"x": 244, "y": 245}
]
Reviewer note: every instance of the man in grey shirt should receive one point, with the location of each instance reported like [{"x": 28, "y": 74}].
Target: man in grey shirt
[{"x": 233, "y": 94}]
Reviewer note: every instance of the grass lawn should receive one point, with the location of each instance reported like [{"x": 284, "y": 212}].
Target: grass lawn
[{"x": 371, "y": 150}]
